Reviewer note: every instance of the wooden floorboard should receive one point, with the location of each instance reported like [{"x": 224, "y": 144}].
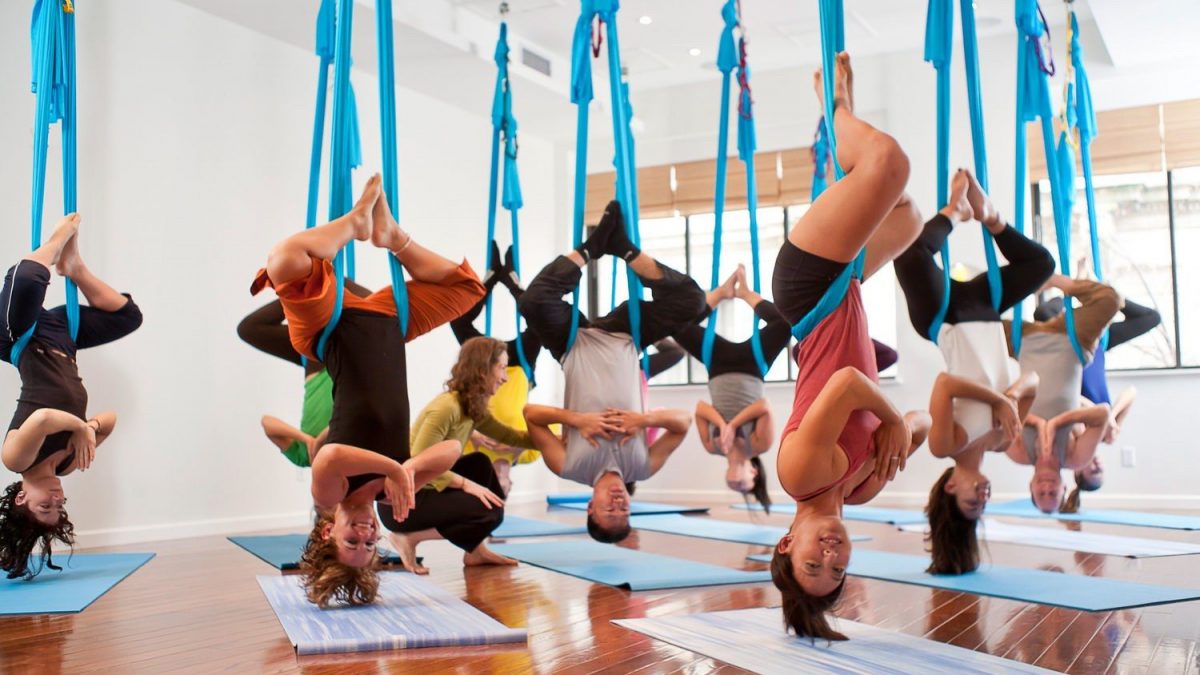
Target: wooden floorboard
[{"x": 196, "y": 607}]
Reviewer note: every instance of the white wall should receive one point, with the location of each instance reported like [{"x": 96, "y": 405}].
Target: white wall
[
  {"x": 896, "y": 91},
  {"x": 194, "y": 145}
]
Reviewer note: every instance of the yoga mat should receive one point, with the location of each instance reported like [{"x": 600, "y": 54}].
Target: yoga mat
[
  {"x": 711, "y": 528},
  {"x": 410, "y": 612},
  {"x": 516, "y": 526},
  {"x": 624, "y": 567},
  {"x": 282, "y": 551},
  {"x": 83, "y": 579},
  {"x": 1087, "y": 542},
  {"x": 754, "y": 640},
  {"x": 635, "y": 508},
  {"x": 1023, "y": 508},
  {"x": 1073, "y": 591},
  {"x": 869, "y": 514},
  {"x": 569, "y": 498}
]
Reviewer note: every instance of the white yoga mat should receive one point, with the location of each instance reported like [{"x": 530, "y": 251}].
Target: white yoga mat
[{"x": 1067, "y": 540}]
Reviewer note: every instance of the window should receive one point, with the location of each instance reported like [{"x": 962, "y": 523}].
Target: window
[
  {"x": 1149, "y": 229},
  {"x": 685, "y": 243}
]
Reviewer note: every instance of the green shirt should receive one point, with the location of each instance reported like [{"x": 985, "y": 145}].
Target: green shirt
[
  {"x": 318, "y": 408},
  {"x": 444, "y": 420}
]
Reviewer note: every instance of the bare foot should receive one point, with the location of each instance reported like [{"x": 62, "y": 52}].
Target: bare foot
[
  {"x": 843, "y": 81},
  {"x": 959, "y": 208},
  {"x": 985, "y": 211},
  {"x": 728, "y": 289},
  {"x": 385, "y": 232},
  {"x": 361, "y": 214},
  {"x": 482, "y": 555},
  {"x": 69, "y": 261},
  {"x": 64, "y": 233},
  {"x": 405, "y": 546}
]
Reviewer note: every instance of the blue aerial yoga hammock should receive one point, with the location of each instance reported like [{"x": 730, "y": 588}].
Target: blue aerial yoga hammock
[
  {"x": 1034, "y": 65},
  {"x": 939, "y": 41},
  {"x": 504, "y": 134},
  {"x": 53, "y": 38},
  {"x": 833, "y": 40},
  {"x": 344, "y": 147},
  {"x": 729, "y": 56},
  {"x": 605, "y": 11}
]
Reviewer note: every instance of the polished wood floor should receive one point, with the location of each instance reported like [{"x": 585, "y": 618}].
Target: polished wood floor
[{"x": 197, "y": 608}]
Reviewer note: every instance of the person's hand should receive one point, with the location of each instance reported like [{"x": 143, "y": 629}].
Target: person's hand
[
  {"x": 1006, "y": 418},
  {"x": 1046, "y": 434},
  {"x": 628, "y": 423},
  {"x": 399, "y": 488},
  {"x": 726, "y": 439},
  {"x": 82, "y": 445},
  {"x": 481, "y": 441},
  {"x": 595, "y": 427},
  {"x": 892, "y": 442},
  {"x": 484, "y": 495}
]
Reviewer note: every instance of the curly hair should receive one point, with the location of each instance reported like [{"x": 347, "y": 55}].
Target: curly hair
[
  {"x": 804, "y": 613},
  {"x": 470, "y": 374},
  {"x": 327, "y": 580},
  {"x": 952, "y": 539},
  {"x": 21, "y": 533}
]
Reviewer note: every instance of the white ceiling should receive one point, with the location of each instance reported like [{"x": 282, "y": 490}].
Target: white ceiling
[{"x": 781, "y": 33}]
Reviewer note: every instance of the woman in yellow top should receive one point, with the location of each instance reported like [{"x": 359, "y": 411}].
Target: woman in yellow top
[{"x": 466, "y": 504}]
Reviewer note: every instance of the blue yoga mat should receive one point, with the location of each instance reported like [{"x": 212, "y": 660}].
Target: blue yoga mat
[
  {"x": 516, "y": 526},
  {"x": 624, "y": 567},
  {"x": 1073, "y": 591},
  {"x": 282, "y": 551},
  {"x": 1023, "y": 508},
  {"x": 641, "y": 508},
  {"x": 84, "y": 578},
  {"x": 569, "y": 498},
  {"x": 754, "y": 640},
  {"x": 711, "y": 528},
  {"x": 869, "y": 514},
  {"x": 410, "y": 612}
]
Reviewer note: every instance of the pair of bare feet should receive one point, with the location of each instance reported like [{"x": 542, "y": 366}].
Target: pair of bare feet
[
  {"x": 405, "y": 545},
  {"x": 62, "y": 249},
  {"x": 735, "y": 286},
  {"x": 372, "y": 219},
  {"x": 968, "y": 201},
  {"x": 843, "y": 84}
]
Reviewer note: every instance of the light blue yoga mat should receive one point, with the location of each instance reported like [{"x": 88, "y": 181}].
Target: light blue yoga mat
[
  {"x": 579, "y": 502},
  {"x": 516, "y": 526},
  {"x": 710, "y": 528},
  {"x": 623, "y": 567},
  {"x": 282, "y": 551},
  {"x": 410, "y": 612},
  {"x": 1073, "y": 591},
  {"x": 84, "y": 578},
  {"x": 754, "y": 640},
  {"x": 869, "y": 514},
  {"x": 1023, "y": 508}
]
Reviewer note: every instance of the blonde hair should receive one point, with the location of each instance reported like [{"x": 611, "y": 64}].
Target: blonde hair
[{"x": 327, "y": 580}]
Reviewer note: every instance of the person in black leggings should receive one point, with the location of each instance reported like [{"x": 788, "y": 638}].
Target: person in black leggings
[
  {"x": 976, "y": 405},
  {"x": 604, "y": 443},
  {"x": 50, "y": 434},
  {"x": 736, "y": 423}
]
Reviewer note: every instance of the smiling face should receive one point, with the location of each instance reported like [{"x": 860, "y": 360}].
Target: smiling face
[
  {"x": 971, "y": 494},
  {"x": 1047, "y": 490},
  {"x": 355, "y": 531},
  {"x": 499, "y": 374},
  {"x": 44, "y": 500},
  {"x": 740, "y": 475},
  {"x": 610, "y": 504},
  {"x": 819, "y": 548}
]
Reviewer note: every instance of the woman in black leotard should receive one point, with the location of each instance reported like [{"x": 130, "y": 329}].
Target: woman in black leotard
[{"x": 50, "y": 434}]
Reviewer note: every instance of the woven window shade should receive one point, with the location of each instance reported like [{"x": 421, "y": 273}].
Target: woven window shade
[
  {"x": 796, "y": 185},
  {"x": 655, "y": 199},
  {"x": 1181, "y": 133},
  {"x": 1129, "y": 141}
]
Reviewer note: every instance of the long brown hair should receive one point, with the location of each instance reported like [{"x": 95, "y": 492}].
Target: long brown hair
[
  {"x": 805, "y": 614},
  {"x": 952, "y": 540},
  {"x": 21, "y": 533},
  {"x": 470, "y": 374},
  {"x": 326, "y": 579},
  {"x": 1073, "y": 501}
]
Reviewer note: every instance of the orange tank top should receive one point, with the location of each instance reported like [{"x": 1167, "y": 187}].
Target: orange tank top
[{"x": 840, "y": 340}]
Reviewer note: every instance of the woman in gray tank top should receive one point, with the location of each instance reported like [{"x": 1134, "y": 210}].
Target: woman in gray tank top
[{"x": 736, "y": 422}]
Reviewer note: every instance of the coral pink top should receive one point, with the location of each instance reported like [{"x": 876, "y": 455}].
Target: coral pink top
[{"x": 840, "y": 340}]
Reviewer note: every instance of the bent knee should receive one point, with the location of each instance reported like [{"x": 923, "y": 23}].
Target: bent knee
[{"x": 286, "y": 263}]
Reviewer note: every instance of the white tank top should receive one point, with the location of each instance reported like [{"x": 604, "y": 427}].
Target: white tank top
[{"x": 977, "y": 351}]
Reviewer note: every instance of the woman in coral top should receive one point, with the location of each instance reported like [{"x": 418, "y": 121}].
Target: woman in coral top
[{"x": 844, "y": 439}]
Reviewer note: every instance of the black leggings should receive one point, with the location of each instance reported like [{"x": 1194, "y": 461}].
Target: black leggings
[
  {"x": 21, "y": 302},
  {"x": 266, "y": 330},
  {"x": 1029, "y": 266},
  {"x": 666, "y": 354},
  {"x": 677, "y": 301},
  {"x": 1138, "y": 320},
  {"x": 738, "y": 357},
  {"x": 461, "y": 518},
  {"x": 464, "y": 329}
]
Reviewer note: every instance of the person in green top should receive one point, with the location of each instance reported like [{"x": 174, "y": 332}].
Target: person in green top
[
  {"x": 466, "y": 504},
  {"x": 265, "y": 330}
]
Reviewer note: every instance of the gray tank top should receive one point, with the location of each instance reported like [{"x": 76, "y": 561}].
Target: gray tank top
[{"x": 731, "y": 393}]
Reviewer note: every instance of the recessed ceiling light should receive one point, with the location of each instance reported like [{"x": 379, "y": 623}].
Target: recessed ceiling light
[
  {"x": 694, "y": 51},
  {"x": 646, "y": 20}
]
